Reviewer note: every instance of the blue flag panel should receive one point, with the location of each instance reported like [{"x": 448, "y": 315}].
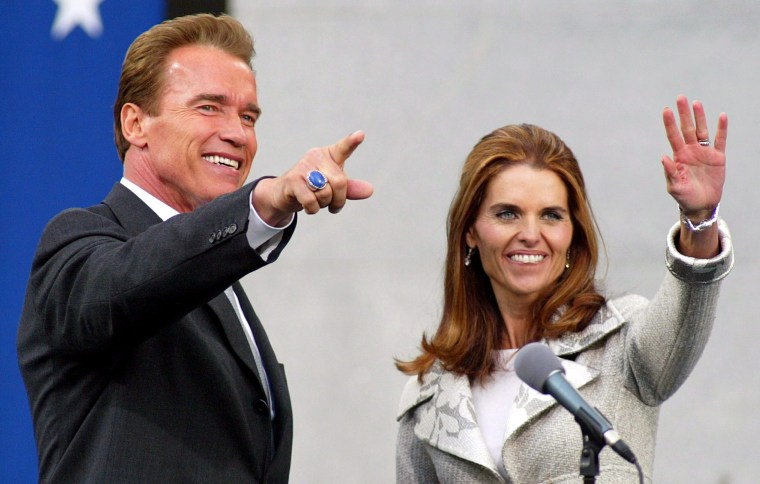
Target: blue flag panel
[{"x": 60, "y": 67}]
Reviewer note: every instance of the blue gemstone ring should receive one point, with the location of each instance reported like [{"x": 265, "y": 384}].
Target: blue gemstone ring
[{"x": 316, "y": 180}]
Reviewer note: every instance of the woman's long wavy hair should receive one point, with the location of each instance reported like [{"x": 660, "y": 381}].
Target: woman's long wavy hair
[{"x": 471, "y": 325}]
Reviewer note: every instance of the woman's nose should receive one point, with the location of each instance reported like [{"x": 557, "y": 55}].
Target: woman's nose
[{"x": 529, "y": 230}]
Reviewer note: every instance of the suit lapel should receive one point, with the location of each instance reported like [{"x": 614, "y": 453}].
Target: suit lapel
[
  {"x": 231, "y": 325},
  {"x": 283, "y": 427},
  {"x": 268, "y": 357},
  {"x": 446, "y": 415},
  {"x": 448, "y": 420},
  {"x": 136, "y": 217},
  {"x": 259, "y": 335},
  {"x": 529, "y": 404},
  {"x": 606, "y": 321}
]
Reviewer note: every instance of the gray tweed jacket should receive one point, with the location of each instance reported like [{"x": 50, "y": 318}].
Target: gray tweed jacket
[{"x": 632, "y": 357}]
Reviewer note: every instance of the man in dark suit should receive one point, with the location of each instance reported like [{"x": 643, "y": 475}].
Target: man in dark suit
[{"x": 142, "y": 357}]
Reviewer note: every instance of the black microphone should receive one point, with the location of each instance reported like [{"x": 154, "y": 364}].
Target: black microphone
[{"x": 541, "y": 370}]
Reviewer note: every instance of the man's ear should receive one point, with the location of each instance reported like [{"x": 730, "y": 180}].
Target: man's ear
[{"x": 133, "y": 124}]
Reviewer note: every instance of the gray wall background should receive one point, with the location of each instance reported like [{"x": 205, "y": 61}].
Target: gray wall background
[{"x": 425, "y": 80}]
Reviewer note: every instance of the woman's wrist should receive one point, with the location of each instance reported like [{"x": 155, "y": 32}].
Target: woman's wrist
[{"x": 699, "y": 221}]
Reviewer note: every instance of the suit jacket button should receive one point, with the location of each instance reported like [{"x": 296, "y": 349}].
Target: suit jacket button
[
  {"x": 218, "y": 235},
  {"x": 261, "y": 406},
  {"x": 232, "y": 229},
  {"x": 212, "y": 238}
]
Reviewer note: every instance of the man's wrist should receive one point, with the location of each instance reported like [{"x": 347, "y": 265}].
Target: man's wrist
[{"x": 262, "y": 205}]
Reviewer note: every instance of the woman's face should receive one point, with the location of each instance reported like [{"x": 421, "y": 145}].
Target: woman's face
[{"x": 522, "y": 232}]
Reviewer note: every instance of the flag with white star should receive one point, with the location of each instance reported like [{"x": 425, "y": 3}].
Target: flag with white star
[
  {"x": 60, "y": 61},
  {"x": 77, "y": 13}
]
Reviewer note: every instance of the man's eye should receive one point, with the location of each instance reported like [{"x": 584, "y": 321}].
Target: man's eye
[
  {"x": 248, "y": 119},
  {"x": 208, "y": 107}
]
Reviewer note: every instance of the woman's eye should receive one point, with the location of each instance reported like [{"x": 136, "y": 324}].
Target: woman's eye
[
  {"x": 553, "y": 215},
  {"x": 506, "y": 215}
]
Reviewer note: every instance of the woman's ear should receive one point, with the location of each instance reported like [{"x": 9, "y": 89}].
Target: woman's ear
[
  {"x": 470, "y": 239},
  {"x": 133, "y": 125}
]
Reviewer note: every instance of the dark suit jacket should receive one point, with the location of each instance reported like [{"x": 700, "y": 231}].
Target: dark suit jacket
[{"x": 135, "y": 363}]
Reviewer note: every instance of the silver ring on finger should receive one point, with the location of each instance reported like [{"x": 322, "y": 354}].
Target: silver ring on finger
[
  {"x": 704, "y": 141},
  {"x": 316, "y": 180}
]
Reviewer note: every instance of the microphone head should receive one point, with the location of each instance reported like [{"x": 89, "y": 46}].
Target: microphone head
[{"x": 535, "y": 363}]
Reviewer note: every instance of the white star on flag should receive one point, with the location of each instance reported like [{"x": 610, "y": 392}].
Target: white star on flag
[{"x": 73, "y": 13}]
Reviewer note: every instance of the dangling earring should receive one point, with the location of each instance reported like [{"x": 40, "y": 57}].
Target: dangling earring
[
  {"x": 567, "y": 260},
  {"x": 468, "y": 257}
]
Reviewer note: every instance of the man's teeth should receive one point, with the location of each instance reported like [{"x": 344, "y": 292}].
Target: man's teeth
[
  {"x": 220, "y": 160},
  {"x": 527, "y": 259}
]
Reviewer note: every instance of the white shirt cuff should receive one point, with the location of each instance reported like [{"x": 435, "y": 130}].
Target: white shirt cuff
[{"x": 262, "y": 237}]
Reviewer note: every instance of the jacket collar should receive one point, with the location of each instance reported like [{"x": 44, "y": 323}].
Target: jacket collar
[
  {"x": 605, "y": 322},
  {"x": 445, "y": 411},
  {"x": 131, "y": 212}
]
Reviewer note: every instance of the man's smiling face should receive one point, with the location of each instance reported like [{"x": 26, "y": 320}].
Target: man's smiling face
[{"x": 202, "y": 142}]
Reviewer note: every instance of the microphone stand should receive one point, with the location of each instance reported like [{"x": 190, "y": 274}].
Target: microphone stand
[
  {"x": 589, "y": 467},
  {"x": 593, "y": 443}
]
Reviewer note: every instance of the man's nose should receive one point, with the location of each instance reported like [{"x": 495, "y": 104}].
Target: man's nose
[{"x": 234, "y": 131}]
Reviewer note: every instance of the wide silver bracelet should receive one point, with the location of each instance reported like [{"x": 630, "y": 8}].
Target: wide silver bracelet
[{"x": 704, "y": 224}]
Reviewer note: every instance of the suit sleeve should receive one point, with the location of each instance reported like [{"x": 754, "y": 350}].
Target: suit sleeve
[
  {"x": 667, "y": 336},
  {"x": 99, "y": 288}
]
